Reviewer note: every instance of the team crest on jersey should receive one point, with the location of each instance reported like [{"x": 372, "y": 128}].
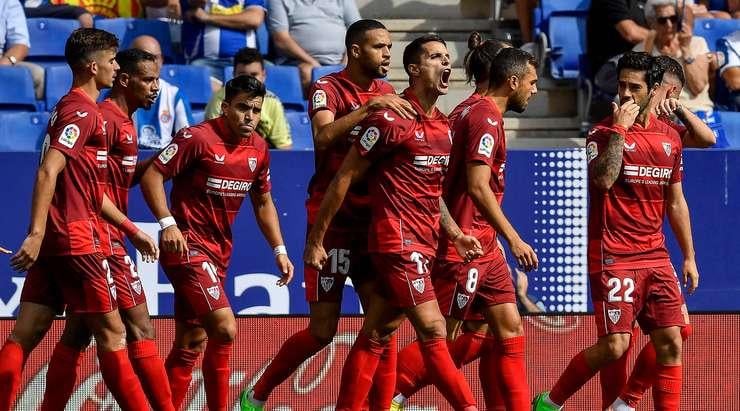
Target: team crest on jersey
[
  {"x": 592, "y": 151},
  {"x": 214, "y": 292},
  {"x": 319, "y": 99},
  {"x": 485, "y": 147},
  {"x": 462, "y": 300},
  {"x": 419, "y": 135},
  {"x": 418, "y": 285},
  {"x": 69, "y": 135},
  {"x": 614, "y": 315},
  {"x": 136, "y": 285},
  {"x": 370, "y": 137},
  {"x": 166, "y": 155},
  {"x": 667, "y": 148},
  {"x": 252, "y": 163},
  {"x": 165, "y": 117},
  {"x": 327, "y": 283}
]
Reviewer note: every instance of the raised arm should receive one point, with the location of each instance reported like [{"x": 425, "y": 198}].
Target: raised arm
[
  {"x": 603, "y": 169},
  {"x": 678, "y": 216}
]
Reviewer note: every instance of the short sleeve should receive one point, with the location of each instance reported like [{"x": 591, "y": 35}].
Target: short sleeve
[
  {"x": 277, "y": 17},
  {"x": 263, "y": 184},
  {"x": 596, "y": 142},
  {"x": 69, "y": 130},
  {"x": 179, "y": 154},
  {"x": 324, "y": 96},
  {"x": 483, "y": 138},
  {"x": 16, "y": 30},
  {"x": 379, "y": 134},
  {"x": 616, "y": 11}
]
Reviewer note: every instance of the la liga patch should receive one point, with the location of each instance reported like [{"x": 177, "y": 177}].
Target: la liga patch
[
  {"x": 485, "y": 146},
  {"x": 69, "y": 135},
  {"x": 319, "y": 99},
  {"x": 166, "y": 155},
  {"x": 370, "y": 137}
]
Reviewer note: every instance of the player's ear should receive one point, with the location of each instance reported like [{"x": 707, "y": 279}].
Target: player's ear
[
  {"x": 514, "y": 82},
  {"x": 123, "y": 78},
  {"x": 355, "y": 51},
  {"x": 413, "y": 69},
  {"x": 224, "y": 106}
]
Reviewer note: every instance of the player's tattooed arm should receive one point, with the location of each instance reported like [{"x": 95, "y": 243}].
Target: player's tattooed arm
[
  {"x": 467, "y": 246},
  {"x": 605, "y": 168}
]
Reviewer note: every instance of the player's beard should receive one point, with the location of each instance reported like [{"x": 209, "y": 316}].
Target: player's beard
[{"x": 517, "y": 103}]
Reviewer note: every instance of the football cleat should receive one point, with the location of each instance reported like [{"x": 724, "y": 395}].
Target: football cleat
[
  {"x": 541, "y": 402},
  {"x": 245, "y": 404}
]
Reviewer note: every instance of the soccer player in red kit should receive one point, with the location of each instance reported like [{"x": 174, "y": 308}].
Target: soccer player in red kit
[
  {"x": 214, "y": 165},
  {"x": 635, "y": 167},
  {"x": 62, "y": 250},
  {"x": 409, "y": 159},
  {"x": 136, "y": 86},
  {"x": 338, "y": 103},
  {"x": 474, "y": 190}
]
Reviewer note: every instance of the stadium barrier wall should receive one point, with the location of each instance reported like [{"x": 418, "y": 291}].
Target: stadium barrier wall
[
  {"x": 545, "y": 199},
  {"x": 711, "y": 378}
]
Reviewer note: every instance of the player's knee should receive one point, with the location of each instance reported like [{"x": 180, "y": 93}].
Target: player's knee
[
  {"x": 224, "y": 332},
  {"x": 668, "y": 349},
  {"x": 140, "y": 330},
  {"x": 615, "y": 346},
  {"x": 436, "y": 328},
  {"x": 323, "y": 331}
]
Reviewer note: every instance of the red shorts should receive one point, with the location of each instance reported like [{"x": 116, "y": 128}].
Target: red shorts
[
  {"x": 348, "y": 257},
  {"x": 130, "y": 292},
  {"x": 650, "y": 296},
  {"x": 81, "y": 282},
  {"x": 403, "y": 279},
  {"x": 198, "y": 289},
  {"x": 466, "y": 289}
]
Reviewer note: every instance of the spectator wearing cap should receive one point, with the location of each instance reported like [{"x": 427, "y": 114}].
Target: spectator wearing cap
[{"x": 15, "y": 42}]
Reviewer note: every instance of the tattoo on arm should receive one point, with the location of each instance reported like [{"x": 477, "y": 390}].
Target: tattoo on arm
[
  {"x": 446, "y": 221},
  {"x": 606, "y": 167}
]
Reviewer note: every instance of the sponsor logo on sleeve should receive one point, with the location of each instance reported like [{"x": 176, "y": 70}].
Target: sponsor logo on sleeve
[
  {"x": 592, "y": 151},
  {"x": 166, "y": 155},
  {"x": 69, "y": 135},
  {"x": 368, "y": 140},
  {"x": 319, "y": 99},
  {"x": 485, "y": 146}
]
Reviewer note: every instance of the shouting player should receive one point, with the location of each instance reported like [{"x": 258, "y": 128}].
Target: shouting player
[
  {"x": 214, "y": 165},
  {"x": 474, "y": 189},
  {"x": 62, "y": 250},
  {"x": 135, "y": 87},
  {"x": 409, "y": 159},
  {"x": 635, "y": 169},
  {"x": 339, "y": 102}
]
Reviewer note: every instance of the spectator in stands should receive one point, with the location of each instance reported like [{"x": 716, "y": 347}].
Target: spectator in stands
[
  {"x": 43, "y": 8},
  {"x": 701, "y": 10},
  {"x": 214, "y": 30},
  {"x": 272, "y": 126},
  {"x": 14, "y": 42},
  {"x": 168, "y": 114},
  {"x": 163, "y": 9},
  {"x": 524, "y": 10},
  {"x": 107, "y": 8},
  {"x": 730, "y": 71},
  {"x": 692, "y": 51},
  {"x": 310, "y": 34}
]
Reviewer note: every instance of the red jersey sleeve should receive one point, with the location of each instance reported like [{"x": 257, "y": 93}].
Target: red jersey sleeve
[
  {"x": 379, "y": 134},
  {"x": 262, "y": 183},
  {"x": 69, "y": 130},
  {"x": 324, "y": 96},
  {"x": 483, "y": 138},
  {"x": 177, "y": 156}
]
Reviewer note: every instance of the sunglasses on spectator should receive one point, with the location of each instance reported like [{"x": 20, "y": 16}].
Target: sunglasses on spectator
[{"x": 664, "y": 20}]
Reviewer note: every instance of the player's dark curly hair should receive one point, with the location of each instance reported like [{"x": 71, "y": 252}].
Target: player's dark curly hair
[
  {"x": 477, "y": 62},
  {"x": 129, "y": 60},
  {"x": 82, "y": 43},
  {"x": 507, "y": 63},
  {"x": 413, "y": 50},
  {"x": 356, "y": 31},
  {"x": 641, "y": 61},
  {"x": 669, "y": 65},
  {"x": 244, "y": 84}
]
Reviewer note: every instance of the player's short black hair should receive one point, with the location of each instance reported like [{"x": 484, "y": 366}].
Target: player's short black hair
[
  {"x": 413, "y": 50},
  {"x": 669, "y": 65},
  {"x": 507, "y": 63},
  {"x": 356, "y": 31},
  {"x": 641, "y": 61},
  {"x": 82, "y": 43},
  {"x": 129, "y": 60},
  {"x": 248, "y": 55},
  {"x": 477, "y": 62},
  {"x": 244, "y": 84}
]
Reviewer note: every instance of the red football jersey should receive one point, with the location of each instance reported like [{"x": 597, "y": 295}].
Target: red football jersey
[
  {"x": 625, "y": 223},
  {"x": 680, "y": 129},
  {"x": 338, "y": 94},
  {"x": 411, "y": 158},
  {"x": 477, "y": 136},
  {"x": 210, "y": 179},
  {"x": 122, "y": 157},
  {"x": 76, "y": 130}
]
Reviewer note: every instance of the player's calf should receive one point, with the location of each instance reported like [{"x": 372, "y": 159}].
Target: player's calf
[{"x": 138, "y": 324}]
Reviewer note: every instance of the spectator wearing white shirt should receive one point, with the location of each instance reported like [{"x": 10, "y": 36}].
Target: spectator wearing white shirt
[
  {"x": 730, "y": 71},
  {"x": 15, "y": 42}
]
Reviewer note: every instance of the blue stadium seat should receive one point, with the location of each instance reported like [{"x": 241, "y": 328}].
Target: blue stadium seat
[
  {"x": 714, "y": 29},
  {"x": 194, "y": 81},
  {"x": 548, "y": 8},
  {"x": 22, "y": 131},
  {"x": 48, "y": 37},
  {"x": 58, "y": 82},
  {"x": 567, "y": 34},
  {"x": 322, "y": 71},
  {"x": 731, "y": 123},
  {"x": 16, "y": 89},
  {"x": 127, "y": 29},
  {"x": 285, "y": 82},
  {"x": 300, "y": 130}
]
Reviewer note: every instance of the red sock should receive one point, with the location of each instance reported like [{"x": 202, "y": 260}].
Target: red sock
[
  {"x": 358, "y": 371},
  {"x": 179, "y": 366},
  {"x": 667, "y": 388},
  {"x": 411, "y": 372},
  {"x": 613, "y": 378},
  {"x": 121, "y": 381},
  {"x": 643, "y": 373},
  {"x": 295, "y": 350},
  {"x": 572, "y": 379},
  {"x": 445, "y": 376},
  {"x": 62, "y": 370},
  {"x": 12, "y": 359},
  {"x": 216, "y": 374},
  {"x": 467, "y": 348},
  {"x": 489, "y": 378},
  {"x": 512, "y": 371},
  {"x": 384, "y": 381},
  {"x": 149, "y": 368}
]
